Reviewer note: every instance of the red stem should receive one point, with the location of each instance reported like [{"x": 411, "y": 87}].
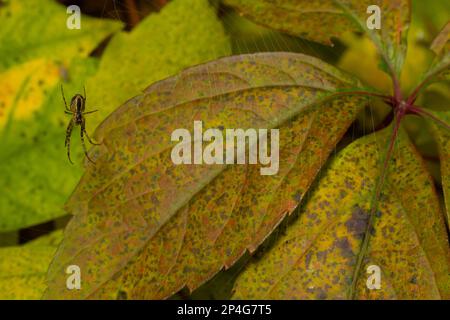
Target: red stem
[
  {"x": 420, "y": 111},
  {"x": 397, "y": 89},
  {"x": 412, "y": 98},
  {"x": 398, "y": 119}
]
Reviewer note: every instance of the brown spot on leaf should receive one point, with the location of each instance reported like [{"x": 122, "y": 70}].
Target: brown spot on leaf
[{"x": 357, "y": 224}]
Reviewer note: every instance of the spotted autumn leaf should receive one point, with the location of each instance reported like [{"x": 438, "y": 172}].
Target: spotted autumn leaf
[
  {"x": 144, "y": 227},
  {"x": 317, "y": 256},
  {"x": 442, "y": 136},
  {"x": 322, "y": 20}
]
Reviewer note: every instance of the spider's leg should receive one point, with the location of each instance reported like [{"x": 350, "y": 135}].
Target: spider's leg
[
  {"x": 87, "y": 136},
  {"x": 68, "y": 112},
  {"x": 68, "y": 132},
  {"x": 82, "y": 141},
  {"x": 84, "y": 88},
  {"x": 90, "y": 112},
  {"x": 64, "y": 98},
  {"x": 67, "y": 142}
]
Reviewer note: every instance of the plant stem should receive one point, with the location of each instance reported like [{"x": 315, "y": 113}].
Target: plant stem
[{"x": 397, "y": 89}]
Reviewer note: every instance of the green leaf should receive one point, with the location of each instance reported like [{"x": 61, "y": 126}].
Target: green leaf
[
  {"x": 183, "y": 34},
  {"x": 316, "y": 257},
  {"x": 320, "y": 20},
  {"x": 144, "y": 227},
  {"x": 37, "y": 28},
  {"x": 36, "y": 53},
  {"x": 36, "y": 175}
]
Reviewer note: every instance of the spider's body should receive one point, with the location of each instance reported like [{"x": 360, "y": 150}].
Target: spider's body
[
  {"x": 77, "y": 110},
  {"x": 77, "y": 106}
]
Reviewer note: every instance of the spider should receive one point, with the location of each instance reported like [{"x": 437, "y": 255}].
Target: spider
[{"x": 77, "y": 107}]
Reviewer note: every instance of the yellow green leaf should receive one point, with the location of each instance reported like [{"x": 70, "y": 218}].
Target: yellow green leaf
[
  {"x": 144, "y": 227},
  {"x": 37, "y": 28},
  {"x": 36, "y": 53},
  {"x": 313, "y": 20},
  {"x": 424, "y": 27},
  {"x": 36, "y": 175},
  {"x": 316, "y": 257},
  {"x": 22, "y": 271},
  {"x": 23, "y": 89},
  {"x": 23, "y": 268}
]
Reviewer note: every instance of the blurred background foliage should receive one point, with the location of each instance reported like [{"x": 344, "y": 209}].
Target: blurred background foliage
[{"x": 122, "y": 48}]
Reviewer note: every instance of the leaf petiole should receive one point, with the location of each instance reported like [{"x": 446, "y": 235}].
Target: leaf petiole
[{"x": 420, "y": 111}]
